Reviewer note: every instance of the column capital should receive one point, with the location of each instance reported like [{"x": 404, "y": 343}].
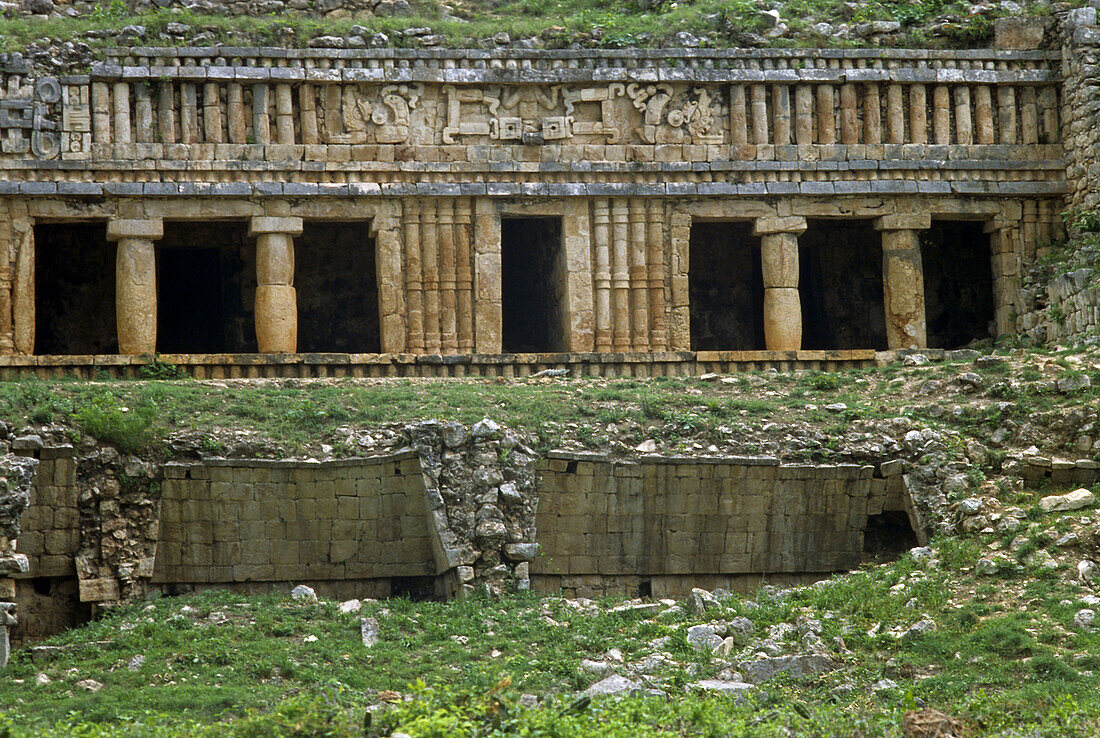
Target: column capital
[
  {"x": 790, "y": 224},
  {"x": 904, "y": 222},
  {"x": 265, "y": 224},
  {"x": 151, "y": 229}
]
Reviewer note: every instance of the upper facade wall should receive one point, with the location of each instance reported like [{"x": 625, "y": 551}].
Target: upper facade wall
[{"x": 675, "y": 122}]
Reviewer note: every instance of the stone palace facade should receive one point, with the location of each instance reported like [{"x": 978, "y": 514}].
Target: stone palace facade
[{"x": 278, "y": 212}]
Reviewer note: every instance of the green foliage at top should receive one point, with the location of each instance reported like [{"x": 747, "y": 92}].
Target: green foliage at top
[{"x": 558, "y": 23}]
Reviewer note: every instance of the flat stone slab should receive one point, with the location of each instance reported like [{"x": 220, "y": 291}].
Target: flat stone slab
[
  {"x": 1070, "y": 501},
  {"x": 613, "y": 685},
  {"x": 796, "y": 667},
  {"x": 735, "y": 690}
]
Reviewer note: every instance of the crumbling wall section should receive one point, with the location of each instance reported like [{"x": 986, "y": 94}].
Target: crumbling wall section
[
  {"x": 1062, "y": 305},
  {"x": 16, "y": 475},
  {"x": 482, "y": 497}
]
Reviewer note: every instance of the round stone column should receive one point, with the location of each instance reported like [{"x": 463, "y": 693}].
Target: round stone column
[
  {"x": 903, "y": 280},
  {"x": 136, "y": 283},
  {"x": 779, "y": 262},
  {"x": 276, "y": 309}
]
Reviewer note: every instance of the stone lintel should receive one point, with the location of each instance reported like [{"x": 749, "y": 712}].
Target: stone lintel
[
  {"x": 906, "y": 222},
  {"x": 151, "y": 229},
  {"x": 265, "y": 224},
  {"x": 790, "y": 224},
  {"x": 998, "y": 224}
]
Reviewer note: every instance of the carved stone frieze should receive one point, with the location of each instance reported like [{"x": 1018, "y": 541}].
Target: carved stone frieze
[
  {"x": 29, "y": 118},
  {"x": 667, "y": 116},
  {"x": 383, "y": 114}
]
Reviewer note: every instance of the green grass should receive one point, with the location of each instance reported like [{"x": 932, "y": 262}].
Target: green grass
[
  {"x": 296, "y": 415},
  {"x": 267, "y": 665},
  {"x": 558, "y": 23}
]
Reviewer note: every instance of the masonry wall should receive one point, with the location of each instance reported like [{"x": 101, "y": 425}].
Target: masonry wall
[
  {"x": 280, "y": 522},
  {"x": 47, "y": 599},
  {"x": 606, "y": 525}
]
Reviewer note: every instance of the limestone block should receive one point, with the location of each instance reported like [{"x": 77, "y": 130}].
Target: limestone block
[
  {"x": 789, "y": 224},
  {"x": 266, "y": 224},
  {"x": 782, "y": 319},
  {"x": 276, "y": 319},
  {"x": 905, "y": 221},
  {"x": 1021, "y": 33}
]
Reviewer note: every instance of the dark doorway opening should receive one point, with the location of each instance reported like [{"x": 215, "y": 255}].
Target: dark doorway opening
[
  {"x": 958, "y": 283},
  {"x": 417, "y": 589},
  {"x": 337, "y": 287},
  {"x": 205, "y": 288},
  {"x": 840, "y": 284},
  {"x": 726, "y": 287},
  {"x": 532, "y": 286},
  {"x": 74, "y": 289},
  {"x": 888, "y": 535}
]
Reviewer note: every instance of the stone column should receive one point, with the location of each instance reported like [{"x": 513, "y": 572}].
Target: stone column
[
  {"x": 276, "y": 300},
  {"x": 903, "y": 280},
  {"x": 779, "y": 260},
  {"x": 136, "y": 283}
]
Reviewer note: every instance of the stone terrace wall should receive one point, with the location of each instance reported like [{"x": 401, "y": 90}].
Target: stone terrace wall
[
  {"x": 267, "y": 522},
  {"x": 605, "y": 525}
]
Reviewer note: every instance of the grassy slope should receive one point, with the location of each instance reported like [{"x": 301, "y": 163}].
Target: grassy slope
[
  {"x": 682, "y": 414},
  {"x": 614, "y": 24},
  {"x": 1004, "y": 656}
]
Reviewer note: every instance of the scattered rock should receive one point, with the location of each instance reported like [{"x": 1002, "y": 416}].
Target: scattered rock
[
  {"x": 1087, "y": 571},
  {"x": 884, "y": 685},
  {"x": 613, "y": 685},
  {"x": 42, "y": 680},
  {"x": 303, "y": 593},
  {"x": 700, "y": 601},
  {"x": 1084, "y": 619},
  {"x": 703, "y": 638},
  {"x": 795, "y": 667},
  {"x": 91, "y": 685},
  {"x": 648, "y": 446},
  {"x": 914, "y": 360},
  {"x": 350, "y": 606},
  {"x": 369, "y": 631},
  {"x": 1070, "y": 501},
  {"x": 136, "y": 663},
  {"x": 918, "y": 629},
  {"x": 736, "y": 690}
]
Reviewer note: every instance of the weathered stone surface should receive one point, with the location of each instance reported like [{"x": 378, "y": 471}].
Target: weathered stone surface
[
  {"x": 369, "y": 631},
  {"x": 613, "y": 685},
  {"x": 735, "y": 690},
  {"x": 1020, "y": 33},
  {"x": 1070, "y": 501},
  {"x": 782, "y": 319},
  {"x": 136, "y": 296},
  {"x": 794, "y": 667},
  {"x": 276, "y": 318},
  {"x": 303, "y": 593}
]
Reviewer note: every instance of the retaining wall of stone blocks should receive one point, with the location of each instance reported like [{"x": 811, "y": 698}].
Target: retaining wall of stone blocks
[
  {"x": 279, "y": 521},
  {"x": 604, "y": 525}
]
